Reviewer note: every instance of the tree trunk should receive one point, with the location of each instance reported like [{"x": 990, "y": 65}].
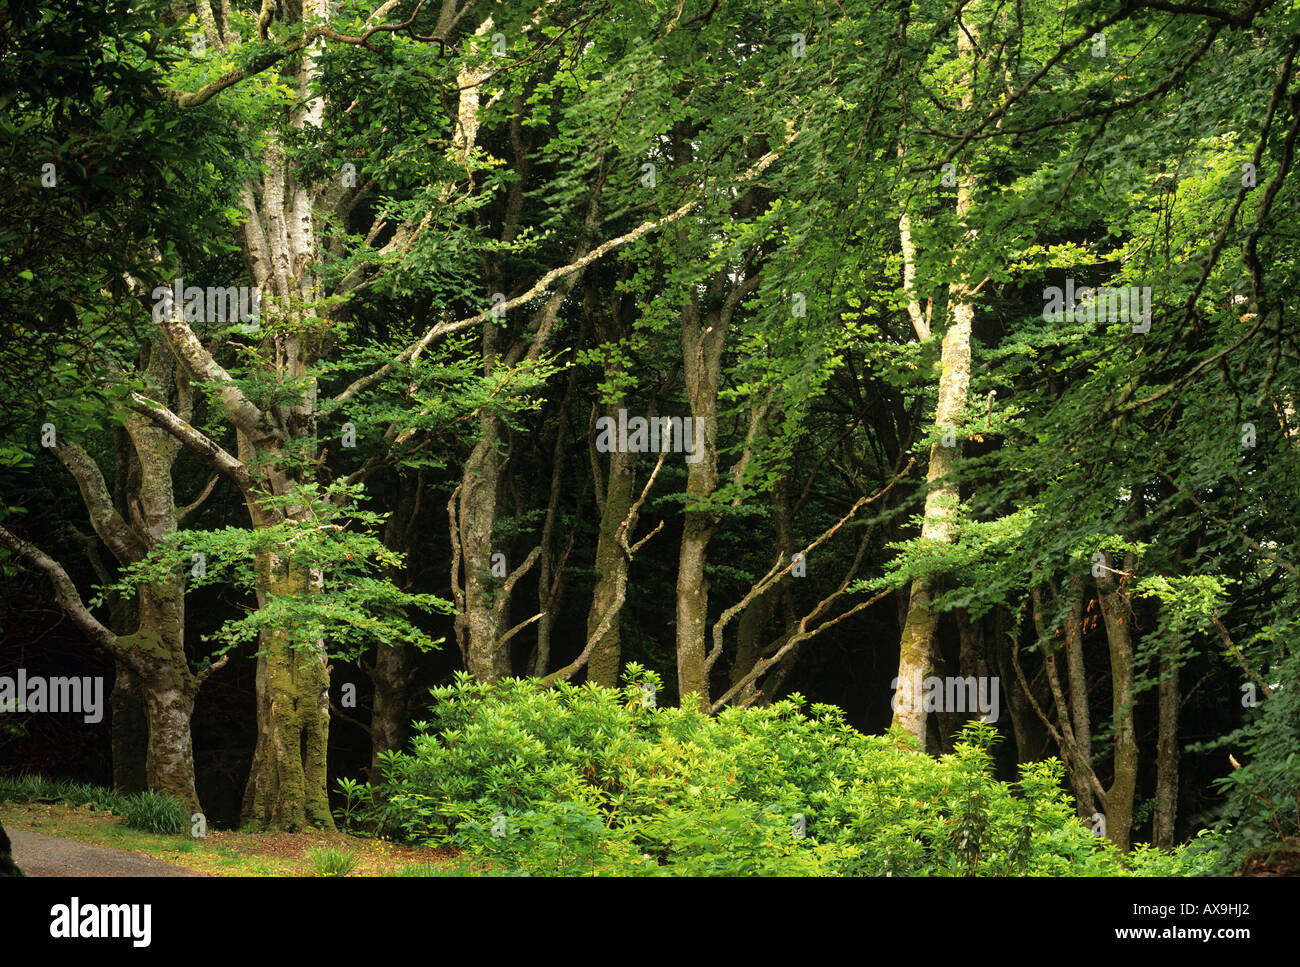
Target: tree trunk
[
  {"x": 1170, "y": 696},
  {"x": 611, "y": 564},
  {"x": 391, "y": 677},
  {"x": 692, "y": 609},
  {"x": 1119, "y": 796},
  {"x": 1080, "y": 715},
  {"x": 480, "y": 497},
  {"x": 1080, "y": 772},
  {"x": 750, "y": 629},
  {"x": 286, "y": 787},
  {"x": 130, "y": 731},
  {"x": 392, "y": 671},
  {"x": 129, "y": 727},
  {"x": 1030, "y": 735},
  {"x": 703, "y": 338},
  {"x": 916, "y": 648}
]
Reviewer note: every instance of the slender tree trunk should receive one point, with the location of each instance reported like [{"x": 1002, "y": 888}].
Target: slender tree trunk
[
  {"x": 480, "y": 499},
  {"x": 1170, "y": 697},
  {"x": 392, "y": 672},
  {"x": 611, "y": 564},
  {"x": 692, "y": 596},
  {"x": 1030, "y": 735},
  {"x": 703, "y": 338},
  {"x": 916, "y": 648},
  {"x": 1077, "y": 766},
  {"x": 1119, "y": 795},
  {"x": 750, "y": 638},
  {"x": 1080, "y": 715}
]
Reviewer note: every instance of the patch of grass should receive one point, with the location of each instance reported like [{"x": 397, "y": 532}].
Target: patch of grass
[
  {"x": 328, "y": 861},
  {"x": 33, "y": 788},
  {"x": 99, "y": 798},
  {"x": 155, "y": 812},
  {"x": 29, "y": 787},
  {"x": 463, "y": 865}
]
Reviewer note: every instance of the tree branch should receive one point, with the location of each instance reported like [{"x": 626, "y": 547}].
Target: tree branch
[
  {"x": 194, "y": 441},
  {"x": 442, "y": 329},
  {"x": 112, "y": 529},
  {"x": 65, "y": 592}
]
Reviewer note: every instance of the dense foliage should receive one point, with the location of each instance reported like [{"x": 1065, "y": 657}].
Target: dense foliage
[
  {"x": 965, "y": 336},
  {"x": 582, "y": 779}
]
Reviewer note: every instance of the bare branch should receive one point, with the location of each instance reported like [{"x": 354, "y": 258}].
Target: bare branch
[
  {"x": 776, "y": 572},
  {"x": 446, "y": 328},
  {"x": 194, "y": 441},
  {"x": 115, "y": 532},
  {"x": 65, "y": 591}
]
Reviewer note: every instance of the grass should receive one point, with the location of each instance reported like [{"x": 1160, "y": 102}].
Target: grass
[
  {"x": 328, "y": 861},
  {"x": 25, "y": 804},
  {"x": 155, "y": 813}
]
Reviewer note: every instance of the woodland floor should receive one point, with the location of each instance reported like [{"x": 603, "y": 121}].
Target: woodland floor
[{"x": 220, "y": 853}]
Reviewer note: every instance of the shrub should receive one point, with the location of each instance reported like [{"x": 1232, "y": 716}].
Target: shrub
[
  {"x": 155, "y": 812},
  {"x": 588, "y": 780}
]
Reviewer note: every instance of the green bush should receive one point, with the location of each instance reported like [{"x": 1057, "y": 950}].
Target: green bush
[
  {"x": 155, "y": 812},
  {"x": 588, "y": 780}
]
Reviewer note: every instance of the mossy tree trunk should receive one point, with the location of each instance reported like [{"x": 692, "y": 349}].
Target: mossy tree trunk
[
  {"x": 153, "y": 668},
  {"x": 287, "y": 785}
]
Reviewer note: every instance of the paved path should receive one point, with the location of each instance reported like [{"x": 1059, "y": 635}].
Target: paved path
[{"x": 39, "y": 855}]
